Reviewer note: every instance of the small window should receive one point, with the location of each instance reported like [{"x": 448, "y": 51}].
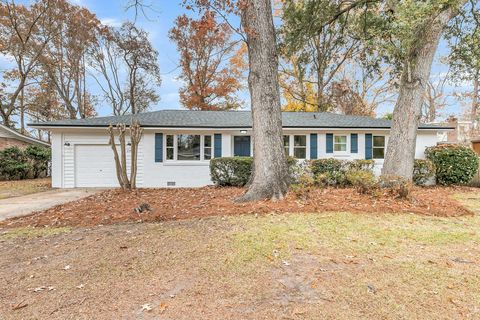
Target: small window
[
  {"x": 378, "y": 147},
  {"x": 207, "y": 148},
  {"x": 300, "y": 147},
  {"x": 170, "y": 147},
  {"x": 188, "y": 147},
  {"x": 286, "y": 144},
  {"x": 340, "y": 143}
]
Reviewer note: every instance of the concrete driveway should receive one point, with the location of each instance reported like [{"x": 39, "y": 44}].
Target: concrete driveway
[{"x": 25, "y": 205}]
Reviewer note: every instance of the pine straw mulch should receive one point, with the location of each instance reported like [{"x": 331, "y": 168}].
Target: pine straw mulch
[{"x": 114, "y": 206}]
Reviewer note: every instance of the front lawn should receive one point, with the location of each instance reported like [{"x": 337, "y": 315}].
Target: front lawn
[
  {"x": 328, "y": 265},
  {"x": 9, "y": 189}
]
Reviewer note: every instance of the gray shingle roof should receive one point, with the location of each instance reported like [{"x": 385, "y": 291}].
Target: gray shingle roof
[{"x": 229, "y": 119}]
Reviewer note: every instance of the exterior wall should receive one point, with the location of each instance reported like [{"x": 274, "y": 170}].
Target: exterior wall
[
  {"x": 56, "y": 139},
  {"x": 195, "y": 173},
  {"x": 11, "y": 142}
]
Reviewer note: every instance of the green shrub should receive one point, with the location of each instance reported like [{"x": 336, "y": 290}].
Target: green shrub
[
  {"x": 236, "y": 171},
  {"x": 362, "y": 180},
  {"x": 14, "y": 164},
  {"x": 38, "y": 157},
  {"x": 329, "y": 165},
  {"x": 329, "y": 172},
  {"x": 423, "y": 171},
  {"x": 333, "y": 172},
  {"x": 454, "y": 164},
  {"x": 231, "y": 171},
  {"x": 362, "y": 164}
]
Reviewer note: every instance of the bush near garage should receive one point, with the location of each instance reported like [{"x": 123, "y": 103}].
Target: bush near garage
[
  {"x": 454, "y": 164},
  {"x": 39, "y": 157},
  {"x": 18, "y": 164}
]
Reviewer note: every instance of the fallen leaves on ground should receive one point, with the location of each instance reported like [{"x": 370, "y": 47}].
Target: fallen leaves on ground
[{"x": 113, "y": 206}]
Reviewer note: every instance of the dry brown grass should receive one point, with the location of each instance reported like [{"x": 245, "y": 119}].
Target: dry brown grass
[
  {"x": 9, "y": 189},
  {"x": 276, "y": 266}
]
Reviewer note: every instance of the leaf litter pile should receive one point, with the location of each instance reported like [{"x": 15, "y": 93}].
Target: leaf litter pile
[{"x": 114, "y": 206}]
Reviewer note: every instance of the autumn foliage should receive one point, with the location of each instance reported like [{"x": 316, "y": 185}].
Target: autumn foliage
[{"x": 211, "y": 80}]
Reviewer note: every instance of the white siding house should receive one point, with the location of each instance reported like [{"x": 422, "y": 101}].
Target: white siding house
[{"x": 177, "y": 145}]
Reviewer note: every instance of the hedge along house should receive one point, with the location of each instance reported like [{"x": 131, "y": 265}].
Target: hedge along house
[{"x": 177, "y": 145}]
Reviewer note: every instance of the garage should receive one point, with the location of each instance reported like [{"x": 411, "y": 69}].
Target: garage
[{"x": 94, "y": 166}]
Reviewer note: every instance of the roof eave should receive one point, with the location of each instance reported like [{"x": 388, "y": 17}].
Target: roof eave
[{"x": 93, "y": 126}]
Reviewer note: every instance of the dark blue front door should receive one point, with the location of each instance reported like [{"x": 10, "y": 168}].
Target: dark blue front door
[{"x": 241, "y": 146}]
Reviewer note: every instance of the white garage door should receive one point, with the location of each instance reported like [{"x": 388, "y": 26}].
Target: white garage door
[{"x": 95, "y": 166}]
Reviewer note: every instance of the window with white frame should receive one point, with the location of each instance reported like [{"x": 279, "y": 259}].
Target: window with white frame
[
  {"x": 286, "y": 144},
  {"x": 378, "y": 147},
  {"x": 340, "y": 143},
  {"x": 170, "y": 147},
  {"x": 207, "y": 147},
  {"x": 188, "y": 147},
  {"x": 300, "y": 146}
]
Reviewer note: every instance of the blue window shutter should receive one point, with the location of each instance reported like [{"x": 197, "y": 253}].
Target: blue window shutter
[
  {"x": 217, "y": 145},
  {"x": 158, "y": 147},
  {"x": 354, "y": 143},
  {"x": 368, "y": 146},
  {"x": 313, "y": 146},
  {"x": 329, "y": 142}
]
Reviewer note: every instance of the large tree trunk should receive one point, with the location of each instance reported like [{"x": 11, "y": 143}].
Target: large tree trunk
[
  {"x": 406, "y": 115},
  {"x": 270, "y": 173}
]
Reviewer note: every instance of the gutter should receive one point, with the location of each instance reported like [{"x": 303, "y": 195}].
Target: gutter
[{"x": 91, "y": 126}]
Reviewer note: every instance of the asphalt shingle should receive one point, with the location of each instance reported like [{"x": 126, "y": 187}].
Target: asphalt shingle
[{"x": 229, "y": 119}]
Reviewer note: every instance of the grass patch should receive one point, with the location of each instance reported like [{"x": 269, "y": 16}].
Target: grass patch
[
  {"x": 29, "y": 232},
  {"x": 471, "y": 200},
  {"x": 9, "y": 189},
  {"x": 277, "y": 236}
]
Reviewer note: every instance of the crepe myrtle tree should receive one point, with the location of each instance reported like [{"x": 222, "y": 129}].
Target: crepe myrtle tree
[{"x": 135, "y": 132}]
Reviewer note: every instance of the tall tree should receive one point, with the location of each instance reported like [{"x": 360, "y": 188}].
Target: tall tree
[
  {"x": 22, "y": 40},
  {"x": 415, "y": 28},
  {"x": 204, "y": 46},
  {"x": 125, "y": 66},
  {"x": 345, "y": 98},
  {"x": 270, "y": 174},
  {"x": 141, "y": 60},
  {"x": 42, "y": 103},
  {"x": 435, "y": 99},
  {"x": 317, "y": 41},
  {"x": 269, "y": 178},
  {"x": 64, "y": 59},
  {"x": 464, "y": 58}
]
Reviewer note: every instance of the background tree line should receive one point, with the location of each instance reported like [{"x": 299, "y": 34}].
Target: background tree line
[
  {"x": 57, "y": 51},
  {"x": 344, "y": 56},
  {"x": 339, "y": 56}
]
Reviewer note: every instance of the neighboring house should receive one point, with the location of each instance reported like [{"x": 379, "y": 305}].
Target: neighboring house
[
  {"x": 10, "y": 137},
  {"x": 464, "y": 131},
  {"x": 177, "y": 145}
]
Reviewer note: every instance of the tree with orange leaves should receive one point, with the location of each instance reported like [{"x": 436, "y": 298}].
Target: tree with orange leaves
[{"x": 205, "y": 45}]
